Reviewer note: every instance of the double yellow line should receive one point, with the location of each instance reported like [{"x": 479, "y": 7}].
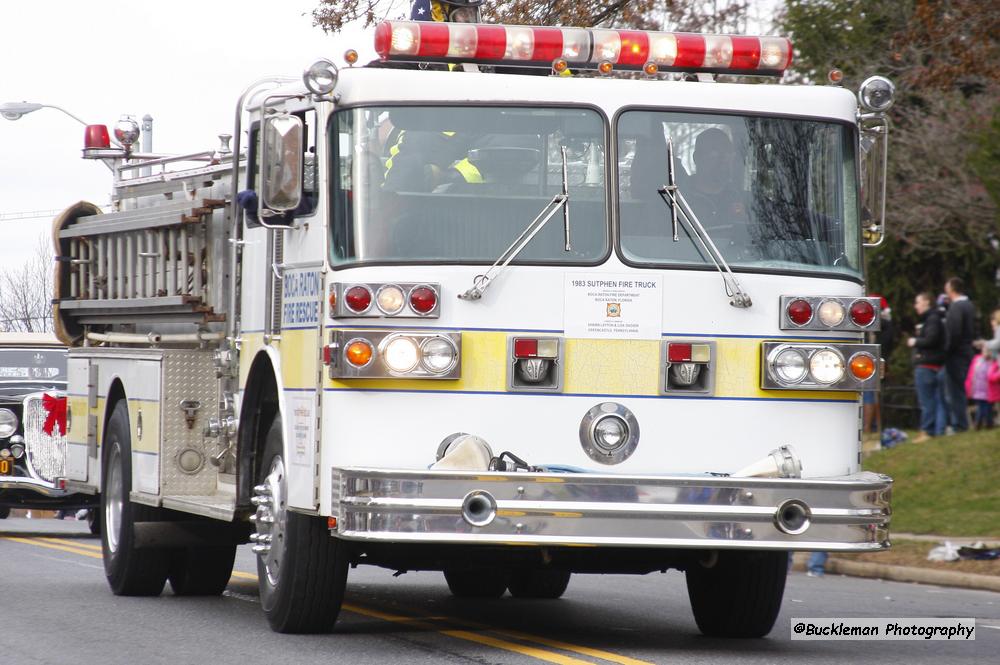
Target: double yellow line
[{"x": 491, "y": 636}]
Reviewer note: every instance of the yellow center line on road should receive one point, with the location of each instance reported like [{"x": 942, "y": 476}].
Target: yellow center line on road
[
  {"x": 38, "y": 542},
  {"x": 485, "y": 639},
  {"x": 71, "y": 543}
]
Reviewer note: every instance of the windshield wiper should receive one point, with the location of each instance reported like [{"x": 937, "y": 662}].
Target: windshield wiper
[
  {"x": 482, "y": 282},
  {"x": 672, "y": 196}
]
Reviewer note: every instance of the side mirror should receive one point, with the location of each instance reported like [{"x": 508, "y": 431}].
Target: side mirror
[
  {"x": 874, "y": 173},
  {"x": 281, "y": 165}
]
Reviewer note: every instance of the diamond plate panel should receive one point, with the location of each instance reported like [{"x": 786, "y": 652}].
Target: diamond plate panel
[{"x": 187, "y": 375}]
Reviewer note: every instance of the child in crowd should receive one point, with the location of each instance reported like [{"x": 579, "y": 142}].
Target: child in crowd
[{"x": 982, "y": 385}]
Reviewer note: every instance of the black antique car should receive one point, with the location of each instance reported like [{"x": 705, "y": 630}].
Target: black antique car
[{"x": 33, "y": 426}]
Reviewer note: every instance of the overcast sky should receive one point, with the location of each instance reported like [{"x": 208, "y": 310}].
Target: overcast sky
[{"x": 184, "y": 62}]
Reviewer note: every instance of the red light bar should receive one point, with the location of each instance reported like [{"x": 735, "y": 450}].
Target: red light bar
[{"x": 421, "y": 41}]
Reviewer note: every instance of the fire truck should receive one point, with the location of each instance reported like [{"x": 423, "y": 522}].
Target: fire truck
[{"x": 511, "y": 303}]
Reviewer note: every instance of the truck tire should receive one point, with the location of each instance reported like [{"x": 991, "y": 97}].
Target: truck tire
[
  {"x": 130, "y": 571},
  {"x": 201, "y": 571},
  {"x": 541, "y": 583},
  {"x": 737, "y": 594},
  {"x": 4, "y": 513},
  {"x": 303, "y": 571},
  {"x": 477, "y": 583}
]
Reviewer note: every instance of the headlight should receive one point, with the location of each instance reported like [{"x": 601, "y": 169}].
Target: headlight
[
  {"x": 876, "y": 94},
  {"x": 321, "y": 77},
  {"x": 610, "y": 433},
  {"x": 826, "y": 366},
  {"x": 439, "y": 355},
  {"x": 400, "y": 354},
  {"x": 790, "y": 366},
  {"x": 8, "y": 423}
]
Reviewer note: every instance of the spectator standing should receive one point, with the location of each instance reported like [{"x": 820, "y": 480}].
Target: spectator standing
[
  {"x": 928, "y": 359},
  {"x": 960, "y": 323},
  {"x": 992, "y": 344},
  {"x": 982, "y": 385}
]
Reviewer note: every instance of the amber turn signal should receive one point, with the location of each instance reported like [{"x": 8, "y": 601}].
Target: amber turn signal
[
  {"x": 862, "y": 366},
  {"x": 358, "y": 353}
]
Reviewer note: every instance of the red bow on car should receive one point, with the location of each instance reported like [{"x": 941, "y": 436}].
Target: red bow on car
[{"x": 55, "y": 407}]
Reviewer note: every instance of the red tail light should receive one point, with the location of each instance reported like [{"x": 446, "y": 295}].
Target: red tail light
[
  {"x": 862, "y": 312},
  {"x": 800, "y": 312},
  {"x": 358, "y": 299},
  {"x": 423, "y": 299},
  {"x": 678, "y": 353}
]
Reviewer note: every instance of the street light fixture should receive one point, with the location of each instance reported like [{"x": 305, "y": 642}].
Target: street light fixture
[{"x": 14, "y": 110}]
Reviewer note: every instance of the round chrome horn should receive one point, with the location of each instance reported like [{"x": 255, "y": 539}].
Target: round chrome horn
[{"x": 479, "y": 508}]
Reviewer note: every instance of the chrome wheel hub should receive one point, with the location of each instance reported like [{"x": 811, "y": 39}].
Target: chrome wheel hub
[
  {"x": 270, "y": 518},
  {"x": 114, "y": 500}
]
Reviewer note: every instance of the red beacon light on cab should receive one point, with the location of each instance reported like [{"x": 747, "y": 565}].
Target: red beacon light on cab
[{"x": 582, "y": 48}]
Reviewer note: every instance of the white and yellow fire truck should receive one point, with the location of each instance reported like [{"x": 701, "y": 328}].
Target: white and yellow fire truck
[{"x": 457, "y": 311}]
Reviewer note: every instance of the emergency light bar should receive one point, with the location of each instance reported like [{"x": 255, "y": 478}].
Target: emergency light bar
[{"x": 586, "y": 48}]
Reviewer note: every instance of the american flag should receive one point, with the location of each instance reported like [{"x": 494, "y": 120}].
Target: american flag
[{"x": 421, "y": 10}]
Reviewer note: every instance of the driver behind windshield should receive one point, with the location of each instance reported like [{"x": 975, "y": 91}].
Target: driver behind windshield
[{"x": 714, "y": 191}]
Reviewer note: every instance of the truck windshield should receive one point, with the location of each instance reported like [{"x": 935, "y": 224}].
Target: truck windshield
[
  {"x": 773, "y": 193},
  {"x": 459, "y": 184}
]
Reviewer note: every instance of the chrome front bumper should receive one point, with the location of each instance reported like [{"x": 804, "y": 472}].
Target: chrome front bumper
[
  {"x": 37, "y": 485},
  {"x": 846, "y": 514}
]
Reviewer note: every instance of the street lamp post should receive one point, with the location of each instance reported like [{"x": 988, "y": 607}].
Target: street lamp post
[{"x": 14, "y": 111}]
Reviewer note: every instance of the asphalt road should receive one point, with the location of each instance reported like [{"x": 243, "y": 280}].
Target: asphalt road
[{"x": 55, "y": 608}]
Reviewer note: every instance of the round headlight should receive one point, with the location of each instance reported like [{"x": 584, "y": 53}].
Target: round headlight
[
  {"x": 17, "y": 450},
  {"x": 826, "y": 366},
  {"x": 831, "y": 313},
  {"x": 610, "y": 433},
  {"x": 876, "y": 94},
  {"x": 439, "y": 355},
  {"x": 789, "y": 366},
  {"x": 400, "y": 354},
  {"x": 321, "y": 77},
  {"x": 8, "y": 423},
  {"x": 390, "y": 299}
]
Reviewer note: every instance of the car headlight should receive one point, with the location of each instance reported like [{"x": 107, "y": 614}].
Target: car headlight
[
  {"x": 8, "y": 423},
  {"x": 826, "y": 366}
]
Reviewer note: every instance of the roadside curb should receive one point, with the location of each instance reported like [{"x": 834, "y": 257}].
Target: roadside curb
[
  {"x": 913, "y": 574},
  {"x": 884, "y": 571}
]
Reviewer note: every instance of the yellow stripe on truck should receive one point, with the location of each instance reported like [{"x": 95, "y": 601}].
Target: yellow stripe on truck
[{"x": 592, "y": 366}]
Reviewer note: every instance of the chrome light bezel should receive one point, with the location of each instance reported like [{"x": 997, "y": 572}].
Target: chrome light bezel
[
  {"x": 377, "y": 367},
  {"x": 864, "y": 94},
  {"x": 814, "y": 323},
  {"x": 770, "y": 380},
  {"x": 312, "y": 75},
  {"x": 340, "y": 310},
  {"x": 588, "y": 426}
]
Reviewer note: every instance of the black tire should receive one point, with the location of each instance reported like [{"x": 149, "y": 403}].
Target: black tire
[
  {"x": 94, "y": 521},
  {"x": 130, "y": 571},
  {"x": 201, "y": 571},
  {"x": 737, "y": 594},
  {"x": 304, "y": 592},
  {"x": 478, "y": 583},
  {"x": 4, "y": 513},
  {"x": 541, "y": 583}
]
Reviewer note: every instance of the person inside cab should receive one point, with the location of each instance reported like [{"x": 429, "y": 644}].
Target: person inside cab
[{"x": 713, "y": 190}]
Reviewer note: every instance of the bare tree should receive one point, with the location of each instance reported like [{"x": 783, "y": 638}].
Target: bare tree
[{"x": 26, "y": 292}]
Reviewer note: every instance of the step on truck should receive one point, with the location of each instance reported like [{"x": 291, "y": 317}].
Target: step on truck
[{"x": 511, "y": 303}]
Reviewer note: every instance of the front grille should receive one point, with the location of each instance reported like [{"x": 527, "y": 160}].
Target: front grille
[{"x": 46, "y": 454}]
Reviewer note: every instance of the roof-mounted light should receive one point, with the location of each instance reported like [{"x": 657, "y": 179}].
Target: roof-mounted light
[
  {"x": 321, "y": 77},
  {"x": 876, "y": 94},
  {"x": 581, "y": 48}
]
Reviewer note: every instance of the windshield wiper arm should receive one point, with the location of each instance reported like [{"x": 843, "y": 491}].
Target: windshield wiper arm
[
  {"x": 561, "y": 200},
  {"x": 672, "y": 196}
]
